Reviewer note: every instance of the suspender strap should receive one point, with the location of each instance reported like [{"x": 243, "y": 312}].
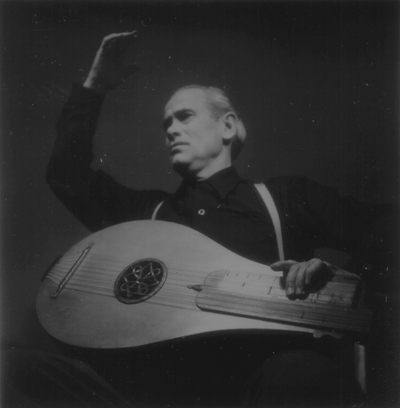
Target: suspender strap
[
  {"x": 153, "y": 217},
  {"x": 269, "y": 203},
  {"x": 271, "y": 207}
]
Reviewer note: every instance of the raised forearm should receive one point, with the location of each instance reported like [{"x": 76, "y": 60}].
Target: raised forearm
[{"x": 73, "y": 149}]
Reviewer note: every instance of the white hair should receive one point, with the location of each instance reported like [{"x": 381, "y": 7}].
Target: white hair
[{"x": 220, "y": 104}]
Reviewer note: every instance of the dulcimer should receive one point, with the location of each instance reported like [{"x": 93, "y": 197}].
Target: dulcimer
[{"x": 144, "y": 282}]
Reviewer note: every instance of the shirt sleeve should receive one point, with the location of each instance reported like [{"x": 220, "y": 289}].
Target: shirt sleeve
[{"x": 93, "y": 196}]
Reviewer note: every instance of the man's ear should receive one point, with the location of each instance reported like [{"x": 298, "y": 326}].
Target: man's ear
[{"x": 229, "y": 121}]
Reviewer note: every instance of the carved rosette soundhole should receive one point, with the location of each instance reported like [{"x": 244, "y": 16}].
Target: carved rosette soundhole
[{"x": 140, "y": 281}]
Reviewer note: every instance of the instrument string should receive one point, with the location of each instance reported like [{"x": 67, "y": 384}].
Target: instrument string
[
  {"x": 92, "y": 281},
  {"x": 95, "y": 278},
  {"x": 99, "y": 279},
  {"x": 98, "y": 273}
]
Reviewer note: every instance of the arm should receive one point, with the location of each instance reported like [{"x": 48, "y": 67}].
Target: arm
[
  {"x": 93, "y": 197},
  {"x": 318, "y": 217}
]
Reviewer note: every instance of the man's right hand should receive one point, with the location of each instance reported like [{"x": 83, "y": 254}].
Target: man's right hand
[{"x": 107, "y": 70}]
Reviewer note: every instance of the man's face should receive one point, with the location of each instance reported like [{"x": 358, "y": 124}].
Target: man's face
[{"x": 194, "y": 136}]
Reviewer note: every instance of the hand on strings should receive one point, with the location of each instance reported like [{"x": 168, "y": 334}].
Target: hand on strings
[
  {"x": 302, "y": 278},
  {"x": 107, "y": 71}
]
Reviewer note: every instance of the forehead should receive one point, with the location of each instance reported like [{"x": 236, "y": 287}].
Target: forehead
[{"x": 193, "y": 98}]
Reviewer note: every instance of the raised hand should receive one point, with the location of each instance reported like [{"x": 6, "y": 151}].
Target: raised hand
[{"x": 107, "y": 71}]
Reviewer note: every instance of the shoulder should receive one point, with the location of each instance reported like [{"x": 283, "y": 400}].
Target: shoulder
[
  {"x": 295, "y": 186},
  {"x": 301, "y": 191},
  {"x": 299, "y": 182}
]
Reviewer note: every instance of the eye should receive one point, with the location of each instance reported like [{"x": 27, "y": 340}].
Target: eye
[{"x": 184, "y": 116}]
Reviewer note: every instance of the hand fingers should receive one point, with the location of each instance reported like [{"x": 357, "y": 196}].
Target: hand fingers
[
  {"x": 115, "y": 45},
  {"x": 119, "y": 40},
  {"x": 283, "y": 266},
  {"x": 125, "y": 36},
  {"x": 302, "y": 277},
  {"x": 294, "y": 273},
  {"x": 295, "y": 280},
  {"x": 317, "y": 272}
]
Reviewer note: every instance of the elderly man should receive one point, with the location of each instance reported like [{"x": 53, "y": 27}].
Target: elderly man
[{"x": 204, "y": 134}]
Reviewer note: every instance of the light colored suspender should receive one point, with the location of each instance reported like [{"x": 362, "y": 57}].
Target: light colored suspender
[
  {"x": 153, "y": 217},
  {"x": 269, "y": 203},
  {"x": 271, "y": 207}
]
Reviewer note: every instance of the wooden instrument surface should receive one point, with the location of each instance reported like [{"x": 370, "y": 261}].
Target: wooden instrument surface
[{"x": 77, "y": 302}]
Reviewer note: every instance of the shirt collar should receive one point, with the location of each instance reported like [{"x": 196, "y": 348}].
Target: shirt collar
[{"x": 224, "y": 181}]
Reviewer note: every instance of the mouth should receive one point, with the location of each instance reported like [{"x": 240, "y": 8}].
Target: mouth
[{"x": 176, "y": 146}]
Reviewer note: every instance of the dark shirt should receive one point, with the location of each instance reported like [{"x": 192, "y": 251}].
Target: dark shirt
[
  {"x": 227, "y": 209},
  {"x": 224, "y": 207}
]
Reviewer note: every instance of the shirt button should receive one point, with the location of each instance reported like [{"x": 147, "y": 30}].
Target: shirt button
[{"x": 201, "y": 212}]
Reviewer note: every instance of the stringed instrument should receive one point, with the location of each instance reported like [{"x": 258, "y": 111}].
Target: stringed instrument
[{"x": 143, "y": 282}]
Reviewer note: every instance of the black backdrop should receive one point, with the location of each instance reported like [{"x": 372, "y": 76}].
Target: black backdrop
[{"x": 316, "y": 82}]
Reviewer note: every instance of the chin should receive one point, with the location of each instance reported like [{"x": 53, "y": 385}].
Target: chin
[
  {"x": 180, "y": 160},
  {"x": 182, "y": 168}
]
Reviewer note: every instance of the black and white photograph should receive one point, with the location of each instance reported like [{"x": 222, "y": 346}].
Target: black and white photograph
[{"x": 200, "y": 204}]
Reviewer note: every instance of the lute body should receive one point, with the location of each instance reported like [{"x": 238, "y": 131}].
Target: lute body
[{"x": 144, "y": 282}]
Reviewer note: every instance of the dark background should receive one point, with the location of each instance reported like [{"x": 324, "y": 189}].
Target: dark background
[{"x": 316, "y": 82}]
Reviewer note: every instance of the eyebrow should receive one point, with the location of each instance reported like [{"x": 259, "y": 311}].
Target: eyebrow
[{"x": 168, "y": 120}]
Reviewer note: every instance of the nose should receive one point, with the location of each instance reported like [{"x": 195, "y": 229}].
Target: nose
[{"x": 172, "y": 131}]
